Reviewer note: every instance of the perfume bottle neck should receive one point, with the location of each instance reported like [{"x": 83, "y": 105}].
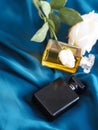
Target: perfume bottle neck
[{"x": 76, "y": 85}]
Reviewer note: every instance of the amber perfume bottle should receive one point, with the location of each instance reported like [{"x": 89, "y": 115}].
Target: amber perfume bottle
[{"x": 50, "y": 56}]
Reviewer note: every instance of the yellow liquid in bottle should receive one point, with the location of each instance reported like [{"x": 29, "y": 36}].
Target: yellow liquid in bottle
[{"x": 50, "y": 56}]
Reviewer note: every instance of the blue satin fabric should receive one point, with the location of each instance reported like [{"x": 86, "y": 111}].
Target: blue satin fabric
[{"x": 21, "y": 73}]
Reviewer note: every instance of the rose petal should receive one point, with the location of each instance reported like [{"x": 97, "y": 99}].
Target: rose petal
[{"x": 85, "y": 34}]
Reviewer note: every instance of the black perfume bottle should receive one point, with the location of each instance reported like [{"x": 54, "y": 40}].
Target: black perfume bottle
[{"x": 58, "y": 96}]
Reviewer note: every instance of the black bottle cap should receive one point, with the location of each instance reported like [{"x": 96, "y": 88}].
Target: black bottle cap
[{"x": 76, "y": 85}]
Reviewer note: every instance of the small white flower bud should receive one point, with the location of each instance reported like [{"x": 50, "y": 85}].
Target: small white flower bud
[{"x": 67, "y": 58}]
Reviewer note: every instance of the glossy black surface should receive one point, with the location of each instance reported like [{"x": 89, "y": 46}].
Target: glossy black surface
[{"x": 55, "y": 97}]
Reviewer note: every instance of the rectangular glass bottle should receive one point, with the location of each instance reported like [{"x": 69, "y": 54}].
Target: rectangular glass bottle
[{"x": 50, "y": 56}]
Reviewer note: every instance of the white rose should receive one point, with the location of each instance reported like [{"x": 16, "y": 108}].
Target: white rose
[
  {"x": 67, "y": 58},
  {"x": 85, "y": 34}
]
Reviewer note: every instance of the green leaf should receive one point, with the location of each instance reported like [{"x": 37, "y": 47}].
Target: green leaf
[
  {"x": 69, "y": 16},
  {"x": 46, "y": 8},
  {"x": 41, "y": 33},
  {"x": 57, "y": 4},
  {"x": 56, "y": 21}
]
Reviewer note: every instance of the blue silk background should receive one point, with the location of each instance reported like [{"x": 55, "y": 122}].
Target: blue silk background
[{"x": 21, "y": 73}]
